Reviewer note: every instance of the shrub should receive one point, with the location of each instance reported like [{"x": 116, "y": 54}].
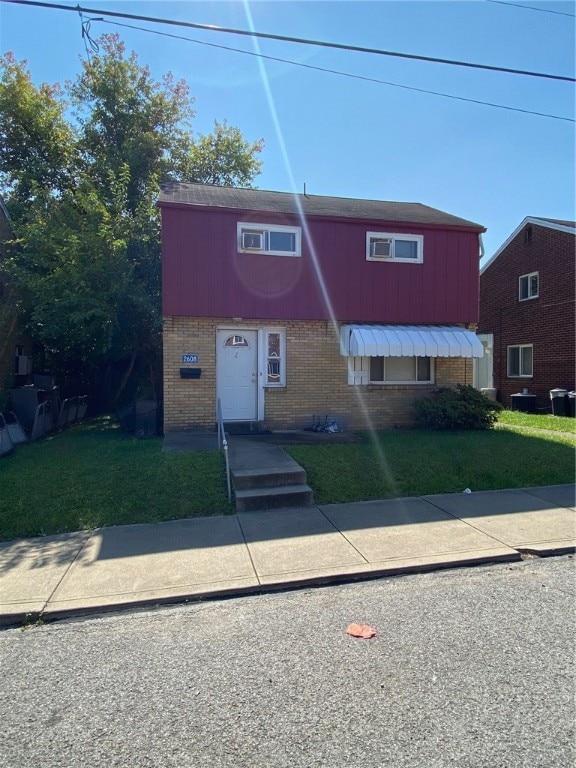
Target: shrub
[{"x": 460, "y": 408}]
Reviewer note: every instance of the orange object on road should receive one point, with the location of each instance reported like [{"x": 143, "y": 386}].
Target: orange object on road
[{"x": 361, "y": 630}]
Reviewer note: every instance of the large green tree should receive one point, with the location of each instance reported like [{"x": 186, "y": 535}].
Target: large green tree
[{"x": 80, "y": 168}]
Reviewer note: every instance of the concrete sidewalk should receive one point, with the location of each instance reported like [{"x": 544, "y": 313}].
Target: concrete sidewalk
[{"x": 135, "y": 565}]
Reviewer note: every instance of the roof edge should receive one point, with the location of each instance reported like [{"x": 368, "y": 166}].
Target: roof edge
[
  {"x": 471, "y": 227},
  {"x": 528, "y": 220}
]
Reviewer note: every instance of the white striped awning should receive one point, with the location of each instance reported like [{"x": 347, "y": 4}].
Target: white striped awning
[{"x": 409, "y": 341}]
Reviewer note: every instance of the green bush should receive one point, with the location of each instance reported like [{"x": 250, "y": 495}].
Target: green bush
[{"x": 460, "y": 408}]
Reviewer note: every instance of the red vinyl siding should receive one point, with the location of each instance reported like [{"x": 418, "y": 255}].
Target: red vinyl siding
[{"x": 205, "y": 276}]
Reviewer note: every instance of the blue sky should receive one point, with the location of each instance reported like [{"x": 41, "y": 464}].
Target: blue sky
[{"x": 352, "y": 138}]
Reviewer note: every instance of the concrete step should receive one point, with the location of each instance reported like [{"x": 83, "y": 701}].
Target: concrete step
[
  {"x": 253, "y": 499},
  {"x": 270, "y": 477}
]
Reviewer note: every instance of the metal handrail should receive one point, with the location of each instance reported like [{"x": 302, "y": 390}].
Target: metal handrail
[{"x": 222, "y": 442}]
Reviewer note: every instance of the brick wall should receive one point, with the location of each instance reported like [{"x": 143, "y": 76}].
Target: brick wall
[
  {"x": 546, "y": 322},
  {"x": 189, "y": 402},
  {"x": 316, "y": 379}
]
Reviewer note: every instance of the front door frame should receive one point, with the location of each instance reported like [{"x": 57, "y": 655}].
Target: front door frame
[
  {"x": 489, "y": 354},
  {"x": 239, "y": 330}
]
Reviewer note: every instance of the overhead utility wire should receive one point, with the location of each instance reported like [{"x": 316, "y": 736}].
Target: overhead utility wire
[
  {"x": 334, "y": 71},
  {"x": 531, "y": 8},
  {"x": 284, "y": 38}
]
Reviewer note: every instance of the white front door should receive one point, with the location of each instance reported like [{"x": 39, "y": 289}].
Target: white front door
[
  {"x": 237, "y": 374},
  {"x": 484, "y": 366}
]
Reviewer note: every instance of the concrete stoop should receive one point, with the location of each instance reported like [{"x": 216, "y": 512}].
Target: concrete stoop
[
  {"x": 266, "y": 477},
  {"x": 271, "y": 488}
]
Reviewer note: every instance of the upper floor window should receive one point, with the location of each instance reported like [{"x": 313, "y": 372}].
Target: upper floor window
[
  {"x": 271, "y": 239},
  {"x": 528, "y": 286},
  {"x": 387, "y": 246}
]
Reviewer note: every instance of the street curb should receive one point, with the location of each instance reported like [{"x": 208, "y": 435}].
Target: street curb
[{"x": 24, "y": 619}]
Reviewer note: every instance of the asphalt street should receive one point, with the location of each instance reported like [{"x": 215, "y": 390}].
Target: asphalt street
[{"x": 471, "y": 667}]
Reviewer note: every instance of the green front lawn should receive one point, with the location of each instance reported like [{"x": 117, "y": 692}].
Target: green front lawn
[
  {"x": 94, "y": 475},
  {"x": 418, "y": 462},
  {"x": 538, "y": 421}
]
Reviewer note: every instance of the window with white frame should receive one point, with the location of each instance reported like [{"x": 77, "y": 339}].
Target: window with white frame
[
  {"x": 388, "y": 246},
  {"x": 528, "y": 286},
  {"x": 401, "y": 370},
  {"x": 275, "y": 356},
  {"x": 520, "y": 361},
  {"x": 270, "y": 239}
]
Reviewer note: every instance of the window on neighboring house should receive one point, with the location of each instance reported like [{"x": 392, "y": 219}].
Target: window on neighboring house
[
  {"x": 273, "y": 240},
  {"x": 528, "y": 286},
  {"x": 520, "y": 361},
  {"x": 401, "y": 370},
  {"x": 386, "y": 246},
  {"x": 275, "y": 351},
  {"x": 528, "y": 235}
]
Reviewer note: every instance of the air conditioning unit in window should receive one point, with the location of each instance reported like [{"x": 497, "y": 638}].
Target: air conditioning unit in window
[
  {"x": 253, "y": 241},
  {"x": 381, "y": 249}
]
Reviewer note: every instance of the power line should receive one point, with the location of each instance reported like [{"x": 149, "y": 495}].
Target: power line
[
  {"x": 531, "y": 8},
  {"x": 284, "y": 38},
  {"x": 335, "y": 71}
]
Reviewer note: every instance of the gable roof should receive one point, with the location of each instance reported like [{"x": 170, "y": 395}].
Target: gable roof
[
  {"x": 544, "y": 221},
  {"x": 310, "y": 205},
  {"x": 561, "y": 225}
]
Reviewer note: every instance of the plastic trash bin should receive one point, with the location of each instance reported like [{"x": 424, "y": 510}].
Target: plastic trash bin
[
  {"x": 571, "y": 403},
  {"x": 559, "y": 404}
]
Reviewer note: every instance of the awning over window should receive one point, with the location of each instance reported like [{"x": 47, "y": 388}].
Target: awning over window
[{"x": 409, "y": 341}]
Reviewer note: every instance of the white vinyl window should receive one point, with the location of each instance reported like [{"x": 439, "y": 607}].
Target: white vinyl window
[
  {"x": 520, "y": 361},
  {"x": 387, "y": 246},
  {"x": 401, "y": 370},
  {"x": 270, "y": 239},
  {"x": 528, "y": 286}
]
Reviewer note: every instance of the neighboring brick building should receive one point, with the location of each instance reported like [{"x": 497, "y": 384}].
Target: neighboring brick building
[
  {"x": 527, "y": 304},
  {"x": 15, "y": 346},
  {"x": 289, "y": 307}
]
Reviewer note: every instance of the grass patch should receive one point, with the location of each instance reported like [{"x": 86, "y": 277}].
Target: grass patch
[
  {"x": 538, "y": 421},
  {"x": 419, "y": 462},
  {"x": 94, "y": 475}
]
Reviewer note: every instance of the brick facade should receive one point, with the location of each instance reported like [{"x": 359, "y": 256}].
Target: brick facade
[
  {"x": 547, "y": 322},
  {"x": 316, "y": 379}
]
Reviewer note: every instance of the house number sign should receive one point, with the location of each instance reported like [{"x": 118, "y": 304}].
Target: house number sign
[{"x": 190, "y": 358}]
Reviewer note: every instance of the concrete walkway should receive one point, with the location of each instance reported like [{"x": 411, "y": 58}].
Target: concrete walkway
[{"x": 137, "y": 565}]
